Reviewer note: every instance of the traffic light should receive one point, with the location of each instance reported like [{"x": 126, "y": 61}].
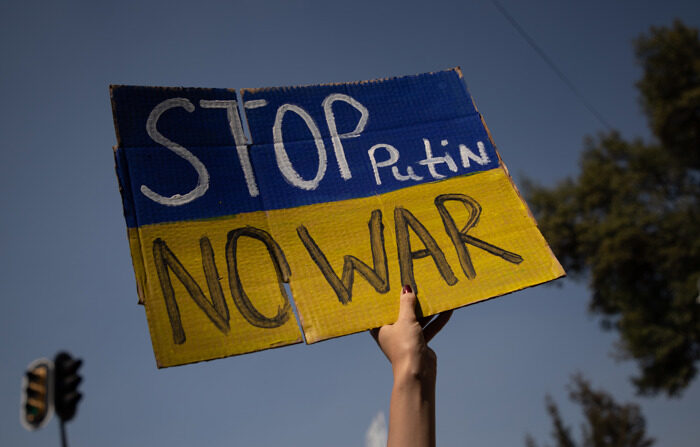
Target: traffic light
[
  {"x": 66, "y": 381},
  {"x": 36, "y": 408}
]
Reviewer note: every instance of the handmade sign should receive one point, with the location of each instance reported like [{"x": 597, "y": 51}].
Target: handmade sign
[{"x": 343, "y": 192}]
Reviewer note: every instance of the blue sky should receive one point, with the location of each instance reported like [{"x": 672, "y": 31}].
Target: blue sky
[{"x": 66, "y": 280}]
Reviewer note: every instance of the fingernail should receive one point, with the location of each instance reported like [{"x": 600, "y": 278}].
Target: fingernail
[{"x": 407, "y": 289}]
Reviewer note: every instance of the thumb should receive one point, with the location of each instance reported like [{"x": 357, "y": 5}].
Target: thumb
[{"x": 407, "y": 305}]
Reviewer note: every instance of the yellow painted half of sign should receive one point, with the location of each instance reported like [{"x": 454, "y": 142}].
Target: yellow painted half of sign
[
  {"x": 214, "y": 289},
  {"x": 501, "y": 241}
]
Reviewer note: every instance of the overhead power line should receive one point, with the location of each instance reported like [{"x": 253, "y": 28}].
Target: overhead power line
[{"x": 551, "y": 64}]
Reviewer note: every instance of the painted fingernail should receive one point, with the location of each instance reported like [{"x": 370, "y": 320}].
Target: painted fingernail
[{"x": 407, "y": 289}]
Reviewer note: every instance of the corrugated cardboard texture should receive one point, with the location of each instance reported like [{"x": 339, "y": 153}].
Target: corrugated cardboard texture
[{"x": 346, "y": 192}]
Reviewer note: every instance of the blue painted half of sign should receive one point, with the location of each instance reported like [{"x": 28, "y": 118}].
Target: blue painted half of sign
[
  {"x": 392, "y": 103},
  {"x": 418, "y": 129},
  {"x": 131, "y": 106}
]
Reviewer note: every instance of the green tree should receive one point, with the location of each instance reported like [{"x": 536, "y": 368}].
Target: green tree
[
  {"x": 670, "y": 89},
  {"x": 607, "y": 423},
  {"x": 630, "y": 222}
]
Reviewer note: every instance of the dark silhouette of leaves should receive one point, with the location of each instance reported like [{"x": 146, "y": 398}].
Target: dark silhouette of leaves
[
  {"x": 630, "y": 222},
  {"x": 607, "y": 423}
]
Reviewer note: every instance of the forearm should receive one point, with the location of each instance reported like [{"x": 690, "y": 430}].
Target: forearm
[
  {"x": 412, "y": 410},
  {"x": 414, "y": 364}
]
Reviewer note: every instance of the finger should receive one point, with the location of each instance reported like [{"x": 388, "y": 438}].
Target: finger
[
  {"x": 438, "y": 323},
  {"x": 407, "y": 305}
]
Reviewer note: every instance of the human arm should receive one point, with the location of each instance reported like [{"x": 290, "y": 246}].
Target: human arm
[{"x": 414, "y": 365}]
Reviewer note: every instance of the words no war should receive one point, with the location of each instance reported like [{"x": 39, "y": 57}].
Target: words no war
[{"x": 340, "y": 193}]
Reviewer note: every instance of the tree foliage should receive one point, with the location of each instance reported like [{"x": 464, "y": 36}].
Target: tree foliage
[
  {"x": 670, "y": 88},
  {"x": 630, "y": 222},
  {"x": 607, "y": 423}
]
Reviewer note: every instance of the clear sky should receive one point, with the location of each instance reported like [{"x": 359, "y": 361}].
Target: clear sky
[{"x": 66, "y": 280}]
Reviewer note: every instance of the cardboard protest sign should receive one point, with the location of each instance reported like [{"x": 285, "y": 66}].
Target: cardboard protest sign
[{"x": 345, "y": 192}]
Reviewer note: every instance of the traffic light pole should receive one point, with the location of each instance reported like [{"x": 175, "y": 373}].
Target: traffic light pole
[
  {"x": 62, "y": 425},
  {"x": 66, "y": 394}
]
